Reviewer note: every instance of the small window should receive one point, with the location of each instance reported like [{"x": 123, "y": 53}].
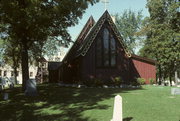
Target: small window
[
  {"x": 5, "y": 73},
  {"x": 31, "y": 74},
  {"x": 12, "y": 73},
  {"x": 17, "y": 73}
]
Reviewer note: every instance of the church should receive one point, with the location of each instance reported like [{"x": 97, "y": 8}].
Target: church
[{"x": 100, "y": 53}]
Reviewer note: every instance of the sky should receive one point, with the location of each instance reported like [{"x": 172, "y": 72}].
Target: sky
[{"x": 113, "y": 7}]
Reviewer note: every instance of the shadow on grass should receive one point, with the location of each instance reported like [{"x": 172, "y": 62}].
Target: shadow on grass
[
  {"x": 127, "y": 119},
  {"x": 56, "y": 103}
]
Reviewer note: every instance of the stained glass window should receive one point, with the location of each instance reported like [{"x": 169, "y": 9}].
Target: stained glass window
[
  {"x": 99, "y": 52},
  {"x": 113, "y": 51},
  {"x": 106, "y": 47},
  {"x": 106, "y": 50}
]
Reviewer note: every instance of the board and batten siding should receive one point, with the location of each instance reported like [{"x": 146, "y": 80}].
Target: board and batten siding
[{"x": 146, "y": 70}]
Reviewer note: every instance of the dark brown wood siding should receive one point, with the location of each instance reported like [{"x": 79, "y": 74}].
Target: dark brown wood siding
[{"x": 123, "y": 68}]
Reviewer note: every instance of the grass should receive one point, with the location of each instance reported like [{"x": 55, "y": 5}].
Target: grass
[{"x": 54, "y": 103}]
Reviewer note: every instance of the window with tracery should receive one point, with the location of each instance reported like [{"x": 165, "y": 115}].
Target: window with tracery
[{"x": 106, "y": 50}]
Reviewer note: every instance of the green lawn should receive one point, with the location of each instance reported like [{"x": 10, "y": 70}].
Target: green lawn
[{"x": 151, "y": 103}]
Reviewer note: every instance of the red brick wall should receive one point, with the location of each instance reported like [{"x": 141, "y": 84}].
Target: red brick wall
[{"x": 145, "y": 70}]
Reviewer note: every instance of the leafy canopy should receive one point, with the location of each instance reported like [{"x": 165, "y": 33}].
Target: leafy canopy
[{"x": 129, "y": 24}]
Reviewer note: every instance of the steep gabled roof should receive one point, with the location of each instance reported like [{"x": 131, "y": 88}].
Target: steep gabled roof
[
  {"x": 84, "y": 47},
  {"x": 72, "y": 53},
  {"x": 89, "y": 33}
]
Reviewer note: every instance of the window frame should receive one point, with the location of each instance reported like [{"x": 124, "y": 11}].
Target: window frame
[
  {"x": 31, "y": 74},
  {"x": 5, "y": 73},
  {"x": 12, "y": 73}
]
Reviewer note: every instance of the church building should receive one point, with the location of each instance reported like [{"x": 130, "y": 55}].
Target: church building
[{"x": 100, "y": 53}]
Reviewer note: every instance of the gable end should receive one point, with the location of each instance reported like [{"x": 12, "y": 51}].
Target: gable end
[{"x": 93, "y": 33}]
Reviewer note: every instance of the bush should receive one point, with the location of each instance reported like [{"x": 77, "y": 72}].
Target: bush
[
  {"x": 93, "y": 83},
  {"x": 109, "y": 82},
  {"x": 151, "y": 80},
  {"x": 97, "y": 83},
  {"x": 88, "y": 83},
  {"x": 141, "y": 81},
  {"x": 117, "y": 81},
  {"x": 135, "y": 83}
]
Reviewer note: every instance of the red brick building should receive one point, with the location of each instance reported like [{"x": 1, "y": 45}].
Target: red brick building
[{"x": 99, "y": 53}]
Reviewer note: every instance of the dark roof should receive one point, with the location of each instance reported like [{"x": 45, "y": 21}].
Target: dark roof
[
  {"x": 89, "y": 33},
  {"x": 147, "y": 60},
  {"x": 72, "y": 53},
  {"x": 94, "y": 31},
  {"x": 42, "y": 59}
]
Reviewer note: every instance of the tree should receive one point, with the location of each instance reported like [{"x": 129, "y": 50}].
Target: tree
[
  {"x": 1, "y": 50},
  {"x": 11, "y": 56},
  {"x": 163, "y": 33},
  {"x": 31, "y": 22},
  {"x": 129, "y": 24}
]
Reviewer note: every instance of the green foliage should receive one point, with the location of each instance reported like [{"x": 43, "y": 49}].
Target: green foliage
[
  {"x": 30, "y": 23},
  {"x": 141, "y": 81},
  {"x": 93, "y": 83},
  {"x": 129, "y": 24},
  {"x": 117, "y": 81},
  {"x": 151, "y": 80},
  {"x": 88, "y": 83},
  {"x": 163, "y": 36},
  {"x": 98, "y": 83},
  {"x": 135, "y": 83},
  {"x": 1, "y": 50}
]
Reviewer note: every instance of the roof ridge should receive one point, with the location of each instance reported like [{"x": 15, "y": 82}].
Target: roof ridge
[
  {"x": 94, "y": 31},
  {"x": 90, "y": 22}
]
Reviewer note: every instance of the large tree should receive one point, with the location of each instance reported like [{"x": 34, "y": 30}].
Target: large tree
[
  {"x": 163, "y": 31},
  {"x": 31, "y": 22},
  {"x": 129, "y": 24},
  {"x": 11, "y": 56}
]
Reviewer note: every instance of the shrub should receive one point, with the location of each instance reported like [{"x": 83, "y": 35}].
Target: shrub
[
  {"x": 88, "y": 83},
  {"x": 134, "y": 83},
  {"x": 109, "y": 82},
  {"x": 117, "y": 81},
  {"x": 141, "y": 81},
  {"x": 151, "y": 80},
  {"x": 98, "y": 83},
  {"x": 93, "y": 83}
]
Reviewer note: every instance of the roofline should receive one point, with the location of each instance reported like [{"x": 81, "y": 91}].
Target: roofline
[
  {"x": 105, "y": 17},
  {"x": 151, "y": 61},
  {"x": 91, "y": 19}
]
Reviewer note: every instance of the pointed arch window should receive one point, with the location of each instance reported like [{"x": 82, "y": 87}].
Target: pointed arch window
[
  {"x": 106, "y": 46},
  {"x": 106, "y": 50}
]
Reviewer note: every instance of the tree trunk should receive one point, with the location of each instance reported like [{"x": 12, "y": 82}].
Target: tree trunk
[
  {"x": 160, "y": 74},
  {"x": 25, "y": 67},
  {"x": 15, "y": 74},
  {"x": 170, "y": 78},
  {"x": 176, "y": 77},
  {"x": 15, "y": 69}
]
